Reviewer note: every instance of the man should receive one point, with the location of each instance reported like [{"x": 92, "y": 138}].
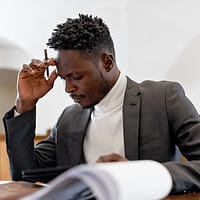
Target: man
[{"x": 113, "y": 118}]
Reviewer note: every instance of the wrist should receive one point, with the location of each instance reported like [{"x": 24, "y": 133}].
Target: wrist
[{"x": 23, "y": 106}]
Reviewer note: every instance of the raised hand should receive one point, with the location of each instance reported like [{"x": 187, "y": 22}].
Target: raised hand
[{"x": 32, "y": 84}]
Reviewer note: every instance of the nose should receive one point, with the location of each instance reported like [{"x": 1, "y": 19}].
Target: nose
[{"x": 69, "y": 86}]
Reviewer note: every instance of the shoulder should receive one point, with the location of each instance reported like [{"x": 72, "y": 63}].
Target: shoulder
[
  {"x": 156, "y": 87},
  {"x": 160, "y": 86},
  {"x": 152, "y": 83}
]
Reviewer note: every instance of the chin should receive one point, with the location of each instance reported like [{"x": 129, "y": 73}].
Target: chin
[{"x": 87, "y": 105}]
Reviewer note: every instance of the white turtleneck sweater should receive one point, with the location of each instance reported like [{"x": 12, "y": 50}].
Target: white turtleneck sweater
[{"x": 105, "y": 131}]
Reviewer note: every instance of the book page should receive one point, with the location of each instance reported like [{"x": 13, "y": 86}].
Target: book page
[
  {"x": 143, "y": 179},
  {"x": 106, "y": 181}
]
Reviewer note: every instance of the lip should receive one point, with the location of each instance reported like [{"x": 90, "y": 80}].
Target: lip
[{"x": 77, "y": 98}]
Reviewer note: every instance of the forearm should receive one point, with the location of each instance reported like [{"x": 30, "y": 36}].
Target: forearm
[
  {"x": 185, "y": 124},
  {"x": 186, "y": 176},
  {"x": 20, "y": 132}
]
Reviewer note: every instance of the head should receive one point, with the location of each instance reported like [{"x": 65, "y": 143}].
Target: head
[{"x": 86, "y": 58}]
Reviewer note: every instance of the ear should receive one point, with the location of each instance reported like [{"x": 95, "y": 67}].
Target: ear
[{"x": 108, "y": 61}]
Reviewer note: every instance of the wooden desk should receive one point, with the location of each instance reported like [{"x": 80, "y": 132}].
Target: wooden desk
[
  {"x": 15, "y": 190},
  {"x": 4, "y": 163},
  {"x": 193, "y": 196}
]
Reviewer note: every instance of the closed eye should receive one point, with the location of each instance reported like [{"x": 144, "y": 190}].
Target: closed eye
[
  {"x": 77, "y": 77},
  {"x": 74, "y": 76}
]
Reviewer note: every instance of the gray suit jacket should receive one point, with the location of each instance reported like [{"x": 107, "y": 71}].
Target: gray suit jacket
[{"x": 157, "y": 117}]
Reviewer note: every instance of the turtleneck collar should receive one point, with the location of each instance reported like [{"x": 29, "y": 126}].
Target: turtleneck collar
[{"x": 114, "y": 98}]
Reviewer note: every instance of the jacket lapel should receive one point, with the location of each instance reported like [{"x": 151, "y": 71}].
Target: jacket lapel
[
  {"x": 131, "y": 116},
  {"x": 76, "y": 145},
  {"x": 71, "y": 134}
]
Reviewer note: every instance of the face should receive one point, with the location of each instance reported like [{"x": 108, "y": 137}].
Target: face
[{"x": 85, "y": 79}]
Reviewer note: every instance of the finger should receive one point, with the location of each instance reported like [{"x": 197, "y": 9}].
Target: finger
[
  {"x": 52, "y": 77},
  {"x": 52, "y": 62},
  {"x": 111, "y": 158},
  {"x": 104, "y": 159},
  {"x": 117, "y": 157},
  {"x": 27, "y": 68},
  {"x": 36, "y": 63}
]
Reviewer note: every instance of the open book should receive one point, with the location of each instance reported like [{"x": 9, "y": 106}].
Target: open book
[{"x": 109, "y": 181}]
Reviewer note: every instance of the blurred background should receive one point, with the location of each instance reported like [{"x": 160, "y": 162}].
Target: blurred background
[{"x": 154, "y": 39}]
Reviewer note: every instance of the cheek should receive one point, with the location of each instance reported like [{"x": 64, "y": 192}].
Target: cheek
[
  {"x": 94, "y": 86},
  {"x": 90, "y": 89},
  {"x": 97, "y": 90},
  {"x": 90, "y": 85}
]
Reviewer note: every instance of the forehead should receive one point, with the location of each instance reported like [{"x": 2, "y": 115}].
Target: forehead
[
  {"x": 65, "y": 56},
  {"x": 69, "y": 61}
]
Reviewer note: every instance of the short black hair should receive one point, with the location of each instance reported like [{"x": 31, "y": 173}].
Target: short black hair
[{"x": 86, "y": 33}]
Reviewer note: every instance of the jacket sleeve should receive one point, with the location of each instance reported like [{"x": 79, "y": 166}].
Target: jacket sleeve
[
  {"x": 184, "y": 123},
  {"x": 20, "y": 133}
]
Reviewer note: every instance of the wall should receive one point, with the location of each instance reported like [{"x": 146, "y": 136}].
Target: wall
[
  {"x": 7, "y": 92},
  {"x": 154, "y": 39}
]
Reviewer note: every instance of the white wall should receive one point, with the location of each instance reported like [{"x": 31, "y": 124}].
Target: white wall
[{"x": 154, "y": 39}]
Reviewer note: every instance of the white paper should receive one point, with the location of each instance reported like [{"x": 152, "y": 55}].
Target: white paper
[{"x": 140, "y": 180}]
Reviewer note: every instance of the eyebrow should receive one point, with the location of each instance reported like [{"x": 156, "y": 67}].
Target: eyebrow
[
  {"x": 69, "y": 74},
  {"x": 64, "y": 76}
]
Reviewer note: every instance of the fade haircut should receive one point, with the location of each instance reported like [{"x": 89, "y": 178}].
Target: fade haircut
[{"x": 88, "y": 34}]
